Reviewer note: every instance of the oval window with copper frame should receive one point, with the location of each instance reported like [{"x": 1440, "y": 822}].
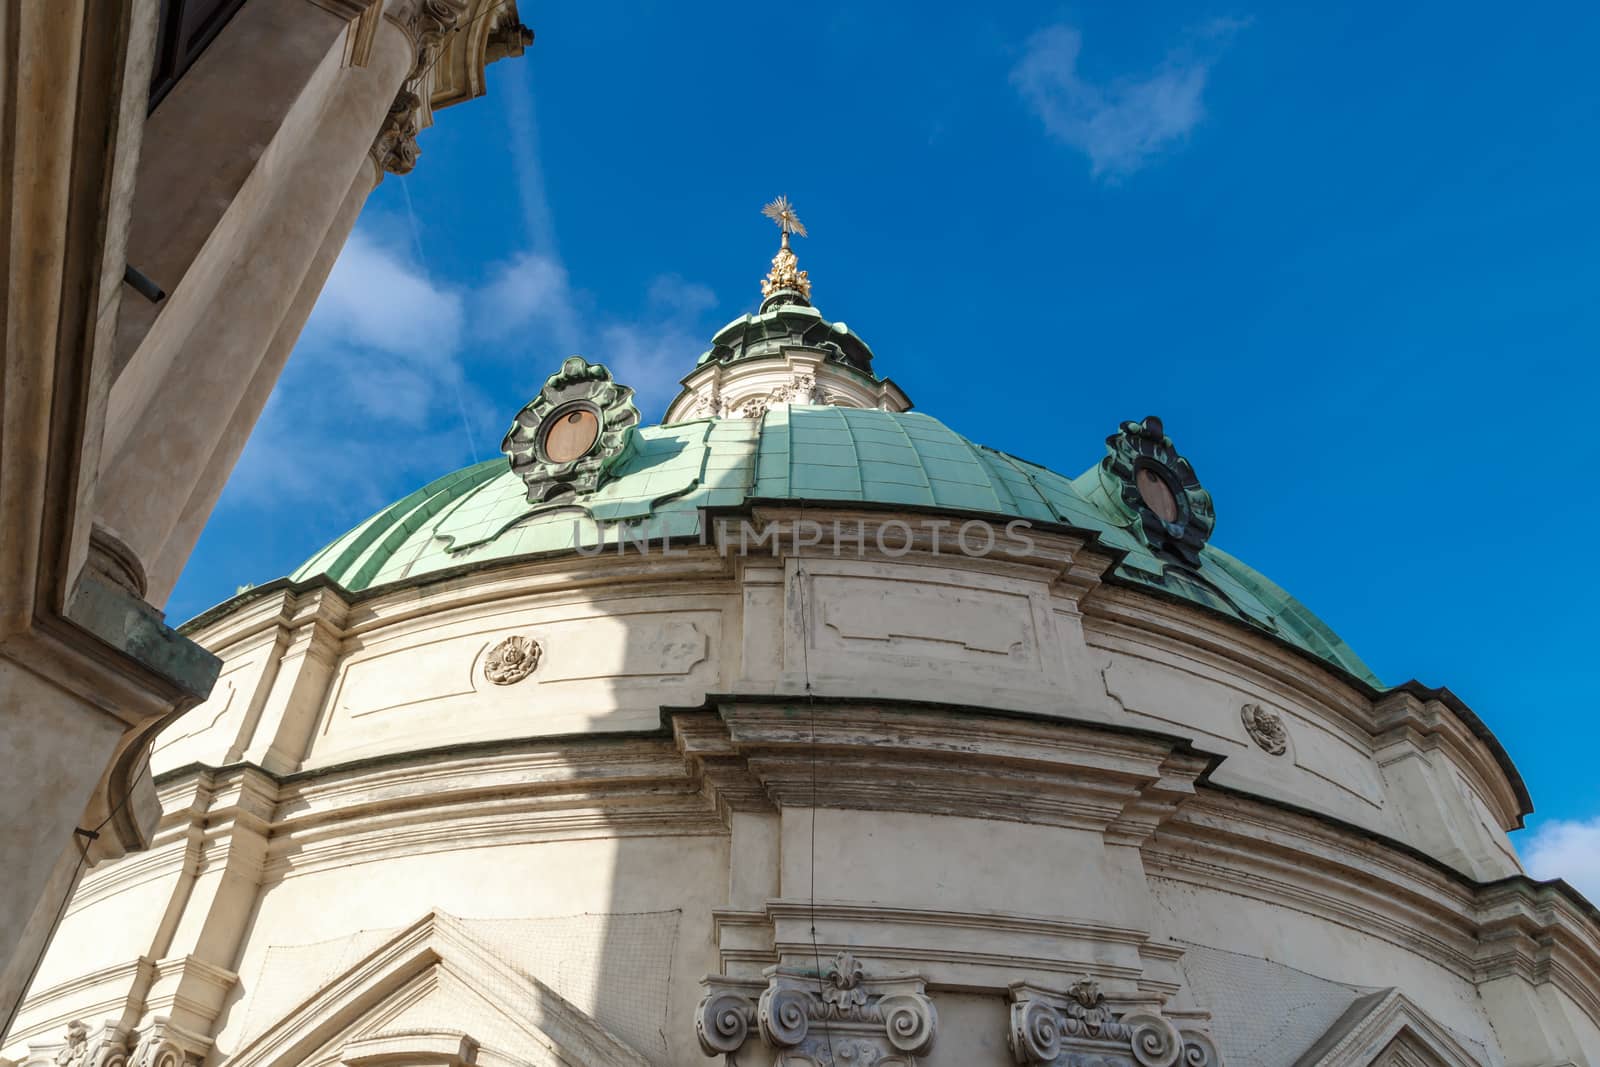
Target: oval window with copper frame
[
  {"x": 1157, "y": 494},
  {"x": 570, "y": 434}
]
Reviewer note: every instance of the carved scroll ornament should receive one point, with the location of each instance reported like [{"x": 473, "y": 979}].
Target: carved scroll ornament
[
  {"x": 841, "y": 1018},
  {"x": 427, "y": 24},
  {"x": 1143, "y": 451},
  {"x": 1080, "y": 1027},
  {"x": 105, "y": 1046}
]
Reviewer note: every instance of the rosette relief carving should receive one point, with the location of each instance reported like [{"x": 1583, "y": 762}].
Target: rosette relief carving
[
  {"x": 511, "y": 660},
  {"x": 1265, "y": 728}
]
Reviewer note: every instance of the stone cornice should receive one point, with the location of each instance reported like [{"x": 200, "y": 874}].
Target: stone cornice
[
  {"x": 65, "y": 1001},
  {"x": 878, "y": 757},
  {"x": 454, "y": 40},
  {"x": 1539, "y": 931},
  {"x": 633, "y": 787},
  {"x": 1267, "y": 850},
  {"x": 1415, "y": 715},
  {"x": 1135, "y": 787},
  {"x": 1119, "y": 617},
  {"x": 988, "y": 949},
  {"x": 1270, "y": 852}
]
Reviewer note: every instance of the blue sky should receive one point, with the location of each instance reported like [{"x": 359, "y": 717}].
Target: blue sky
[{"x": 1348, "y": 256}]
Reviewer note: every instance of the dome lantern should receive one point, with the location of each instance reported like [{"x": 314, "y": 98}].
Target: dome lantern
[{"x": 784, "y": 354}]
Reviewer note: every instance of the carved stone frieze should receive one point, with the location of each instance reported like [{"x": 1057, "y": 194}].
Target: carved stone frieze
[
  {"x": 73, "y": 1052},
  {"x": 1265, "y": 728},
  {"x": 428, "y": 23},
  {"x": 839, "y": 1017},
  {"x": 511, "y": 660},
  {"x": 709, "y": 404},
  {"x": 1079, "y": 1028},
  {"x": 800, "y": 389}
]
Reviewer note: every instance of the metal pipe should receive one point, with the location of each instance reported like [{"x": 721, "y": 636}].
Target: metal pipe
[{"x": 146, "y": 288}]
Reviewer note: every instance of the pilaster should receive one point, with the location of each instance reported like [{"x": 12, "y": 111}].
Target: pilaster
[{"x": 293, "y": 707}]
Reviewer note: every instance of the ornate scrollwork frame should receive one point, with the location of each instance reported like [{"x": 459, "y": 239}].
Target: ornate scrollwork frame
[
  {"x": 1144, "y": 446},
  {"x": 578, "y": 384}
]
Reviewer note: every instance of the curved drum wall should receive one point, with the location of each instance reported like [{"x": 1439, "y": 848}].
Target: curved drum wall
[{"x": 985, "y": 778}]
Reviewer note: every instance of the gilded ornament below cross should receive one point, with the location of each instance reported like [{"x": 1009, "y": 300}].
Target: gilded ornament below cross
[{"x": 785, "y": 274}]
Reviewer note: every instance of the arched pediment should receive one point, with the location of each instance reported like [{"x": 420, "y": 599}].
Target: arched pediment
[
  {"x": 367, "y": 1016},
  {"x": 412, "y": 1048}
]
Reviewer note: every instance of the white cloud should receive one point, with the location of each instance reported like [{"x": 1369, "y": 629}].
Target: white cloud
[
  {"x": 375, "y": 299},
  {"x": 529, "y": 292},
  {"x": 1120, "y": 125},
  {"x": 1568, "y": 849},
  {"x": 376, "y": 400},
  {"x": 529, "y": 304},
  {"x": 374, "y": 391},
  {"x": 680, "y": 298}
]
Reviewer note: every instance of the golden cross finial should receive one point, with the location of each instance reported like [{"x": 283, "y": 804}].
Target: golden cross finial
[
  {"x": 782, "y": 212},
  {"x": 785, "y": 274}
]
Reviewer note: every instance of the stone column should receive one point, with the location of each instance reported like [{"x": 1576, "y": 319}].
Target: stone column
[
  {"x": 244, "y": 101},
  {"x": 197, "y": 509},
  {"x": 164, "y": 460}
]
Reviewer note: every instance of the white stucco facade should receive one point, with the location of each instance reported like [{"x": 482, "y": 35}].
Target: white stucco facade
[{"x": 1010, "y": 775}]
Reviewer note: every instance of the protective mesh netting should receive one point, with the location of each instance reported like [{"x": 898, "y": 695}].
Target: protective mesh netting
[
  {"x": 615, "y": 967},
  {"x": 1264, "y": 1014}
]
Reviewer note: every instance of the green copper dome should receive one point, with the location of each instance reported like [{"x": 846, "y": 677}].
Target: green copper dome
[{"x": 800, "y": 453}]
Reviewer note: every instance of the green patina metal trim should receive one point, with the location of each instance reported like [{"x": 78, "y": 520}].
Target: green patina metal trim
[
  {"x": 340, "y": 558},
  {"x": 139, "y": 631},
  {"x": 816, "y": 454}
]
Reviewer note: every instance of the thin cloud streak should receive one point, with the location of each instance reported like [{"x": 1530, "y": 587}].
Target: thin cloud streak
[{"x": 1123, "y": 125}]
